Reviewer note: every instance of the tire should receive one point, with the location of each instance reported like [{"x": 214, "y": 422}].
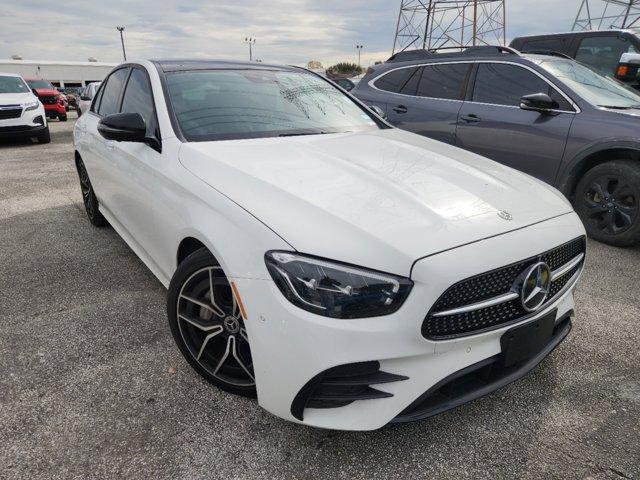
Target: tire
[
  {"x": 608, "y": 202},
  {"x": 63, "y": 118},
  {"x": 45, "y": 137},
  {"x": 89, "y": 198},
  {"x": 209, "y": 329}
]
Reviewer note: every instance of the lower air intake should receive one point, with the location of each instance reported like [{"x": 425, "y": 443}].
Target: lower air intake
[{"x": 342, "y": 385}]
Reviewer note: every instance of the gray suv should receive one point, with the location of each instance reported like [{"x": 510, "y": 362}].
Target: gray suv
[{"x": 545, "y": 115}]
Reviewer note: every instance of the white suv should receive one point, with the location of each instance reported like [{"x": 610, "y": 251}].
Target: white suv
[
  {"x": 21, "y": 113},
  {"x": 348, "y": 273}
]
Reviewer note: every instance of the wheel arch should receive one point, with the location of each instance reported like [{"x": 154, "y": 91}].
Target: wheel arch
[
  {"x": 591, "y": 157},
  {"x": 188, "y": 245}
]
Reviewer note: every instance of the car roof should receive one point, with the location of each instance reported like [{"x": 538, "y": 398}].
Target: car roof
[
  {"x": 581, "y": 33},
  {"x": 197, "y": 64}
]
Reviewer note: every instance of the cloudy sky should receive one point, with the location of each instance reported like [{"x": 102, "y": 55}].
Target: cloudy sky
[{"x": 287, "y": 31}]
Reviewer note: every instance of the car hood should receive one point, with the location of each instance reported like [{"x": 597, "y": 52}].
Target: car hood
[
  {"x": 16, "y": 98},
  {"x": 381, "y": 199}
]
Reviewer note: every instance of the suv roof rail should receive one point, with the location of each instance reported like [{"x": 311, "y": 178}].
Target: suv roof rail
[
  {"x": 421, "y": 54},
  {"x": 551, "y": 53}
]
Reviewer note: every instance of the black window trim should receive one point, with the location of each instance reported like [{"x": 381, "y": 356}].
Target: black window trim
[{"x": 470, "y": 82}]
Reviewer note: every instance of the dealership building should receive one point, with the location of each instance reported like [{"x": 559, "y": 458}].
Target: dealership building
[{"x": 59, "y": 73}]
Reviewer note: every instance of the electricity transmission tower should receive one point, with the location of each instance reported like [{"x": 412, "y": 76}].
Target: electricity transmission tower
[
  {"x": 437, "y": 24},
  {"x": 607, "y": 14}
]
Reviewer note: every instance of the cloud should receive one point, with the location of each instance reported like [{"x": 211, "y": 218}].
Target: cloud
[{"x": 287, "y": 31}]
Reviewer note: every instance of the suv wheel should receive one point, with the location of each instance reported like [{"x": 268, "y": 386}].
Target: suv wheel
[
  {"x": 89, "y": 198},
  {"x": 607, "y": 200},
  {"x": 45, "y": 137},
  {"x": 207, "y": 324}
]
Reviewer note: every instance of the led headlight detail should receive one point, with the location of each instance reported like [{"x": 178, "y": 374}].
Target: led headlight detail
[
  {"x": 30, "y": 106},
  {"x": 336, "y": 290}
]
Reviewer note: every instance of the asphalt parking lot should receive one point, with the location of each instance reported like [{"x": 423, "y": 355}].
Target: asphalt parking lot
[{"x": 92, "y": 385}]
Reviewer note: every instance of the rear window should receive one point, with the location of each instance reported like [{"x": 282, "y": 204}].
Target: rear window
[{"x": 398, "y": 81}]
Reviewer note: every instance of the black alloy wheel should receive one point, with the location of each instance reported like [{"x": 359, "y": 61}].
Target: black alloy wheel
[
  {"x": 89, "y": 197},
  {"x": 608, "y": 201},
  {"x": 207, "y": 323}
]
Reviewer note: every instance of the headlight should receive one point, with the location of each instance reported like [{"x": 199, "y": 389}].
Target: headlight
[
  {"x": 31, "y": 106},
  {"x": 336, "y": 290}
]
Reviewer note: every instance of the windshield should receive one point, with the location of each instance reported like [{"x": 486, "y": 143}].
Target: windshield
[
  {"x": 40, "y": 84},
  {"x": 13, "y": 85},
  {"x": 234, "y": 104},
  {"x": 593, "y": 87}
]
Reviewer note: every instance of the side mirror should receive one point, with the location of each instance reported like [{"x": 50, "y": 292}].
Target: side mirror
[
  {"x": 123, "y": 127},
  {"x": 378, "y": 111},
  {"x": 538, "y": 102}
]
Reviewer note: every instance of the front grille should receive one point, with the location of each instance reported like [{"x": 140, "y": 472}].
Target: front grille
[
  {"x": 48, "y": 99},
  {"x": 10, "y": 111},
  {"x": 490, "y": 285}
]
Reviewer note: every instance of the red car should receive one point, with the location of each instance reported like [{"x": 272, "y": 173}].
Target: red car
[{"x": 55, "y": 104}]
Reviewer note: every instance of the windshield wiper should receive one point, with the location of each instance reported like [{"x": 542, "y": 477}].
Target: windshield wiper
[
  {"x": 301, "y": 134},
  {"x": 620, "y": 107}
]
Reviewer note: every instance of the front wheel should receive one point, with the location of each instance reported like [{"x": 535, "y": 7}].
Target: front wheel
[
  {"x": 608, "y": 202},
  {"x": 89, "y": 198},
  {"x": 207, "y": 324},
  {"x": 63, "y": 118},
  {"x": 45, "y": 137}
]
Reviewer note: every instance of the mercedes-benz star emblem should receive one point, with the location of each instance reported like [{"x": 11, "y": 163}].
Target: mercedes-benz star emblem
[
  {"x": 536, "y": 286},
  {"x": 503, "y": 214}
]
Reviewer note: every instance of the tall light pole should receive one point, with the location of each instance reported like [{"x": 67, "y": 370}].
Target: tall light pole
[
  {"x": 359, "y": 47},
  {"x": 124, "y": 54},
  {"x": 251, "y": 41}
]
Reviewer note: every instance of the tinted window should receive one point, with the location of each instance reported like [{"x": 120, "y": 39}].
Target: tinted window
[
  {"x": 503, "y": 84},
  {"x": 443, "y": 81},
  {"x": 111, "y": 95},
  {"x": 254, "y": 103},
  {"x": 549, "y": 44},
  {"x": 137, "y": 99},
  {"x": 603, "y": 53},
  {"x": 394, "y": 81}
]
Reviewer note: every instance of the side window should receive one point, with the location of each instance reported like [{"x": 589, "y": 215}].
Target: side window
[
  {"x": 503, "y": 84},
  {"x": 111, "y": 92},
  {"x": 603, "y": 53},
  {"x": 556, "y": 44},
  {"x": 443, "y": 81},
  {"x": 394, "y": 81},
  {"x": 137, "y": 98},
  {"x": 96, "y": 101}
]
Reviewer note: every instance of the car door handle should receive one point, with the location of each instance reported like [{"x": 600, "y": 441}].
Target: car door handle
[
  {"x": 471, "y": 118},
  {"x": 400, "y": 109}
]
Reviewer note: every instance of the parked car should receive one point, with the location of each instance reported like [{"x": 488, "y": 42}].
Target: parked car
[
  {"x": 55, "y": 104},
  {"x": 548, "y": 116},
  {"x": 348, "y": 273},
  {"x": 601, "y": 50},
  {"x": 21, "y": 113},
  {"x": 87, "y": 96},
  {"x": 72, "y": 95}
]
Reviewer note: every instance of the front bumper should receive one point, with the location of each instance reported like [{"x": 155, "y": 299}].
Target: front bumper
[
  {"x": 55, "y": 109},
  {"x": 290, "y": 346},
  {"x": 30, "y": 124}
]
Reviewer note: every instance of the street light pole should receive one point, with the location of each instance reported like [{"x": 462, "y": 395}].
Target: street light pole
[
  {"x": 359, "y": 47},
  {"x": 251, "y": 41},
  {"x": 124, "y": 54}
]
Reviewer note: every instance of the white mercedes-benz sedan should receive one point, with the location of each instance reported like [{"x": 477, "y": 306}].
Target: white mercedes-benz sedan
[{"x": 347, "y": 273}]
